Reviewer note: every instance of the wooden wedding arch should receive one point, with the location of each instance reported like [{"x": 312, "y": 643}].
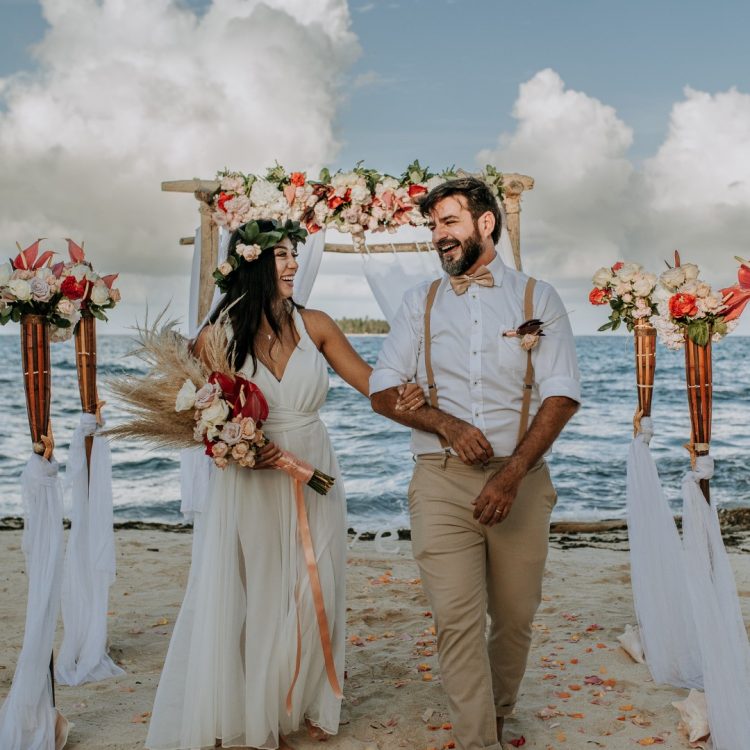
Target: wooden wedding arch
[{"x": 514, "y": 185}]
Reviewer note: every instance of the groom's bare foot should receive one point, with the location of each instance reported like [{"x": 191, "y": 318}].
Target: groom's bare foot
[
  {"x": 315, "y": 733},
  {"x": 500, "y": 721}
]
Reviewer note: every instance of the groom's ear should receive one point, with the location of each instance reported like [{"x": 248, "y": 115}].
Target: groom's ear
[{"x": 486, "y": 224}]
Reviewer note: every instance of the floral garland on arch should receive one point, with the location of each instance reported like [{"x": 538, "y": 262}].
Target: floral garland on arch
[
  {"x": 353, "y": 202},
  {"x": 30, "y": 284}
]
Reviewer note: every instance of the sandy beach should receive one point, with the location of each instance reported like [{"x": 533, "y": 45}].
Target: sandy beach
[{"x": 581, "y": 689}]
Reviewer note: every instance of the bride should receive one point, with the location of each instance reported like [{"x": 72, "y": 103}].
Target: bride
[{"x": 251, "y": 660}]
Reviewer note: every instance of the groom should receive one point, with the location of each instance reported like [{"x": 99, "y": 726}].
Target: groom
[{"x": 480, "y": 498}]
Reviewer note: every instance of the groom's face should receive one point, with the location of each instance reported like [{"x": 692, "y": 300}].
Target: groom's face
[{"x": 455, "y": 235}]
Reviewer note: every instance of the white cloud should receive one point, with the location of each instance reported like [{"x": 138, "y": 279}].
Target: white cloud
[
  {"x": 591, "y": 205},
  {"x": 129, "y": 94}
]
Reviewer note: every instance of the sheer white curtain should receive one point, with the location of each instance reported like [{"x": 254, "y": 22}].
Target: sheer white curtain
[
  {"x": 720, "y": 630},
  {"x": 27, "y": 718},
  {"x": 657, "y": 572},
  {"x": 89, "y": 568}
]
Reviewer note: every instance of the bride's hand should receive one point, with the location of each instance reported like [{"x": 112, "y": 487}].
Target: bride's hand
[
  {"x": 267, "y": 456},
  {"x": 410, "y": 397}
]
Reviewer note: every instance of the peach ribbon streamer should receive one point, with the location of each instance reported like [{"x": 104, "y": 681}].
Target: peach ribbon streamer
[
  {"x": 317, "y": 594},
  {"x": 297, "y": 469}
]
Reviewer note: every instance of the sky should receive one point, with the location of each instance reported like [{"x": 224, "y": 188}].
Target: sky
[{"x": 633, "y": 118}]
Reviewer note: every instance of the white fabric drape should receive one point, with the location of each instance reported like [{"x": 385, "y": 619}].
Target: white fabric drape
[
  {"x": 657, "y": 572},
  {"x": 390, "y": 275},
  {"x": 721, "y": 635},
  {"x": 89, "y": 568},
  {"x": 27, "y": 718}
]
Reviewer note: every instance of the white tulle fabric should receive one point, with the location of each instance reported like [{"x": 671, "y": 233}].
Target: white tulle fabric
[
  {"x": 389, "y": 275},
  {"x": 89, "y": 568},
  {"x": 27, "y": 718},
  {"x": 657, "y": 572},
  {"x": 232, "y": 655},
  {"x": 720, "y": 631}
]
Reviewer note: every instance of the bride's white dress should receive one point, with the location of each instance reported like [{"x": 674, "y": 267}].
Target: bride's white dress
[{"x": 232, "y": 657}]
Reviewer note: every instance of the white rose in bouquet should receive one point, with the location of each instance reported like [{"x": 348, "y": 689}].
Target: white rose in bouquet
[
  {"x": 40, "y": 290},
  {"x": 6, "y": 271},
  {"x": 628, "y": 271},
  {"x": 99, "y": 293},
  {"x": 702, "y": 289},
  {"x": 65, "y": 307},
  {"x": 673, "y": 278},
  {"x": 185, "y": 396},
  {"x": 213, "y": 417},
  {"x": 621, "y": 287},
  {"x": 643, "y": 284},
  {"x": 602, "y": 278},
  {"x": 689, "y": 287},
  {"x": 360, "y": 194},
  {"x": 231, "y": 433},
  {"x": 20, "y": 289},
  {"x": 691, "y": 271}
]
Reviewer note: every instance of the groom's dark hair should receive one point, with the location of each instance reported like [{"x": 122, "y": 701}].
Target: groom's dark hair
[{"x": 479, "y": 200}]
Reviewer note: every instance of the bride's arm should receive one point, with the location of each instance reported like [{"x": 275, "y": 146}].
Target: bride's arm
[{"x": 345, "y": 361}]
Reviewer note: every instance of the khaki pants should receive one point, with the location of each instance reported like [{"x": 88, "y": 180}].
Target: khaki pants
[{"x": 469, "y": 570}]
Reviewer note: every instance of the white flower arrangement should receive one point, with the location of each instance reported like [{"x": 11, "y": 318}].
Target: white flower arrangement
[{"x": 628, "y": 290}]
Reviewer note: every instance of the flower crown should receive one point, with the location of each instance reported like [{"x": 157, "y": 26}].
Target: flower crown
[{"x": 251, "y": 242}]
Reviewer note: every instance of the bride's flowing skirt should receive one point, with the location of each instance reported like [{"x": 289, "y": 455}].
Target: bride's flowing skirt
[{"x": 232, "y": 657}]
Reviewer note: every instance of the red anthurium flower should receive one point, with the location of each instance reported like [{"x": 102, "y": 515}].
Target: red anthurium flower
[
  {"x": 251, "y": 402},
  {"x": 599, "y": 296},
  {"x": 416, "y": 190},
  {"x": 57, "y": 269},
  {"x": 682, "y": 305},
  {"x": 75, "y": 251},
  {"x": 110, "y": 279},
  {"x": 27, "y": 259},
  {"x": 737, "y": 296},
  {"x": 73, "y": 289}
]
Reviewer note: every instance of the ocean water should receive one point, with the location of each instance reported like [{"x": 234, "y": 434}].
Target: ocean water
[{"x": 587, "y": 464}]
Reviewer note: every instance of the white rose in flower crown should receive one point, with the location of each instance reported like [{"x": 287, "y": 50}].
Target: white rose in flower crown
[
  {"x": 185, "y": 396},
  {"x": 40, "y": 290},
  {"x": 99, "y": 293},
  {"x": 65, "y": 307},
  {"x": 6, "y": 271},
  {"x": 673, "y": 278},
  {"x": 628, "y": 271},
  {"x": 691, "y": 271},
  {"x": 643, "y": 284},
  {"x": 231, "y": 433},
  {"x": 602, "y": 278},
  {"x": 20, "y": 289},
  {"x": 248, "y": 252}
]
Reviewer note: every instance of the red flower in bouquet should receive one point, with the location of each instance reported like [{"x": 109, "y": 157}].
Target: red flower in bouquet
[
  {"x": 72, "y": 288},
  {"x": 599, "y": 296},
  {"x": 244, "y": 398},
  {"x": 736, "y": 297},
  {"x": 682, "y": 305}
]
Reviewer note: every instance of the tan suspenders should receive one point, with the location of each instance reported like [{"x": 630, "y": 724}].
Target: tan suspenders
[{"x": 528, "y": 380}]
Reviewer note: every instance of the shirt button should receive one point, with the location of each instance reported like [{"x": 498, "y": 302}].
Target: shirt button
[
  {"x": 475, "y": 322},
  {"x": 476, "y": 382},
  {"x": 474, "y": 353}
]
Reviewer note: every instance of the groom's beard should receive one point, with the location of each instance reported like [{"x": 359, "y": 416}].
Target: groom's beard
[{"x": 471, "y": 249}]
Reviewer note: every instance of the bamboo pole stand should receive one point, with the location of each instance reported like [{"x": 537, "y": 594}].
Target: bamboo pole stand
[{"x": 85, "y": 340}]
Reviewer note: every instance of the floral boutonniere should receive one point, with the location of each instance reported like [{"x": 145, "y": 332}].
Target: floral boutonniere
[{"x": 529, "y": 332}]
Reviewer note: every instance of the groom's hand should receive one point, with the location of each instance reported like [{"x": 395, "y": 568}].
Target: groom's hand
[
  {"x": 468, "y": 441},
  {"x": 494, "y": 502}
]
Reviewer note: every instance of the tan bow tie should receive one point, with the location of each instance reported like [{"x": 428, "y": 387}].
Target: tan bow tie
[{"x": 483, "y": 277}]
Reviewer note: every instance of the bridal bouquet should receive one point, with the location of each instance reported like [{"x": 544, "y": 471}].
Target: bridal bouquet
[
  {"x": 689, "y": 307},
  {"x": 182, "y": 400},
  {"x": 628, "y": 290}
]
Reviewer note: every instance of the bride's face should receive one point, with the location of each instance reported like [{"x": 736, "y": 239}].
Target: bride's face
[{"x": 286, "y": 267}]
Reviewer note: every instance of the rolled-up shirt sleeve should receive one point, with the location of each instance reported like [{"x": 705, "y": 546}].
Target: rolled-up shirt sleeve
[
  {"x": 554, "y": 358},
  {"x": 397, "y": 361}
]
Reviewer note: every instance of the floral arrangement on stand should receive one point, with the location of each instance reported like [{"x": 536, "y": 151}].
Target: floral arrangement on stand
[
  {"x": 352, "y": 202},
  {"x": 689, "y": 307},
  {"x": 628, "y": 290},
  {"x": 31, "y": 285}
]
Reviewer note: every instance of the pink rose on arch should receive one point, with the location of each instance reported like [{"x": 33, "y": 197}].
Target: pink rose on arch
[
  {"x": 240, "y": 450},
  {"x": 207, "y": 395},
  {"x": 219, "y": 449},
  {"x": 221, "y": 462}
]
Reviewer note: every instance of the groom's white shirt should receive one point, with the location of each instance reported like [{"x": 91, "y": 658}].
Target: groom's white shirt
[{"x": 479, "y": 372}]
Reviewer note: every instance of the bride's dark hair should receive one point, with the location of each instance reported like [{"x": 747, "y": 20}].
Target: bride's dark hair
[{"x": 253, "y": 292}]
